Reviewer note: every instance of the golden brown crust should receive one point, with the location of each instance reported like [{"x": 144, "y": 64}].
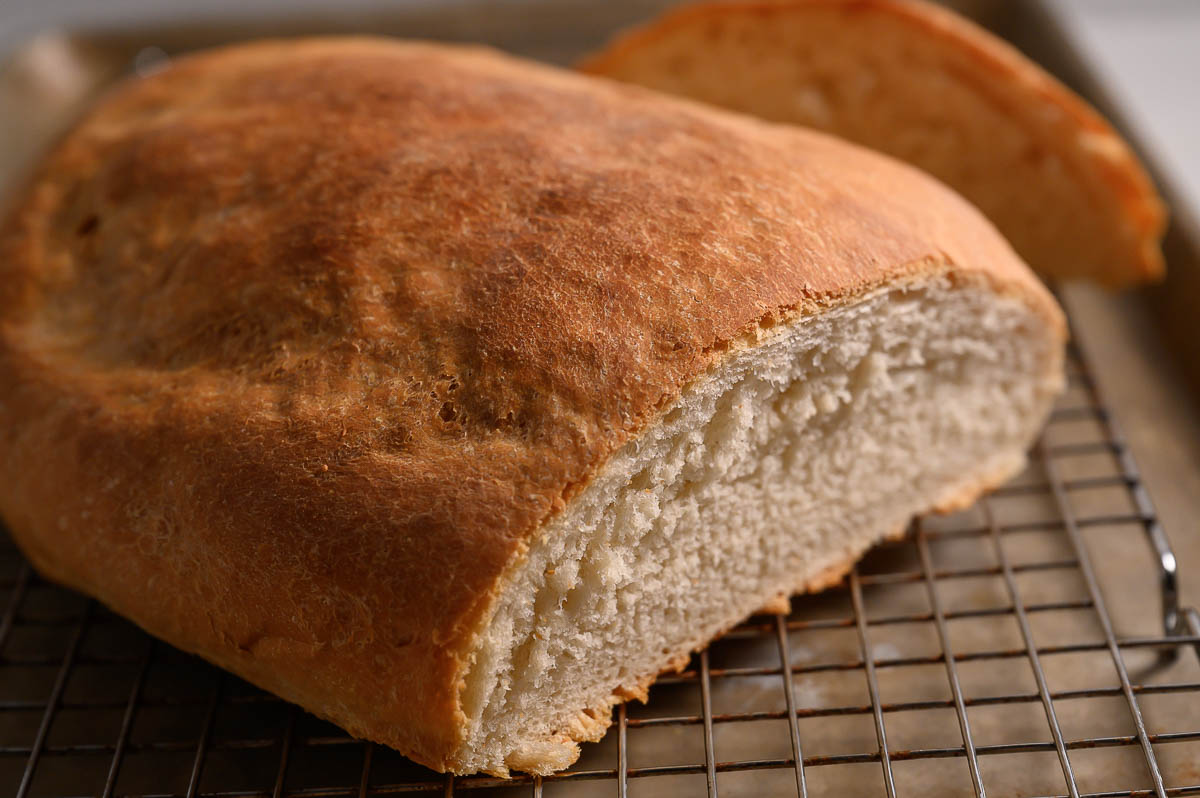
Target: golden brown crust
[
  {"x": 1002, "y": 75},
  {"x": 779, "y": 604},
  {"x": 302, "y": 340}
]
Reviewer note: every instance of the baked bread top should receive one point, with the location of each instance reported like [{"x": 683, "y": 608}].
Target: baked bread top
[
  {"x": 927, "y": 86},
  {"x": 305, "y": 339}
]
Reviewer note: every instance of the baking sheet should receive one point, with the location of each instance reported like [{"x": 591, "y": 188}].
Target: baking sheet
[{"x": 1143, "y": 352}]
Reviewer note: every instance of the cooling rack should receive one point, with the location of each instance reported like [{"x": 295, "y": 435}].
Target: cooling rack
[{"x": 977, "y": 655}]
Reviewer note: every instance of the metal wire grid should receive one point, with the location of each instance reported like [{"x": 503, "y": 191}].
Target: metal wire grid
[{"x": 91, "y": 706}]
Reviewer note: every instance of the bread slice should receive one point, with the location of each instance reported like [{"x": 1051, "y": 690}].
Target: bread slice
[
  {"x": 922, "y": 84},
  {"x": 454, "y": 397}
]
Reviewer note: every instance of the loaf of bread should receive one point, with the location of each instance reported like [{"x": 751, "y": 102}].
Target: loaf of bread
[
  {"x": 455, "y": 397},
  {"x": 924, "y": 85}
]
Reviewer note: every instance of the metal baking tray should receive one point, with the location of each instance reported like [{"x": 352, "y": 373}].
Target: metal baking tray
[{"x": 1036, "y": 644}]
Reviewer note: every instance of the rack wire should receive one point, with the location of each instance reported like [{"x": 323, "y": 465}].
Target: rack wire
[{"x": 977, "y": 655}]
